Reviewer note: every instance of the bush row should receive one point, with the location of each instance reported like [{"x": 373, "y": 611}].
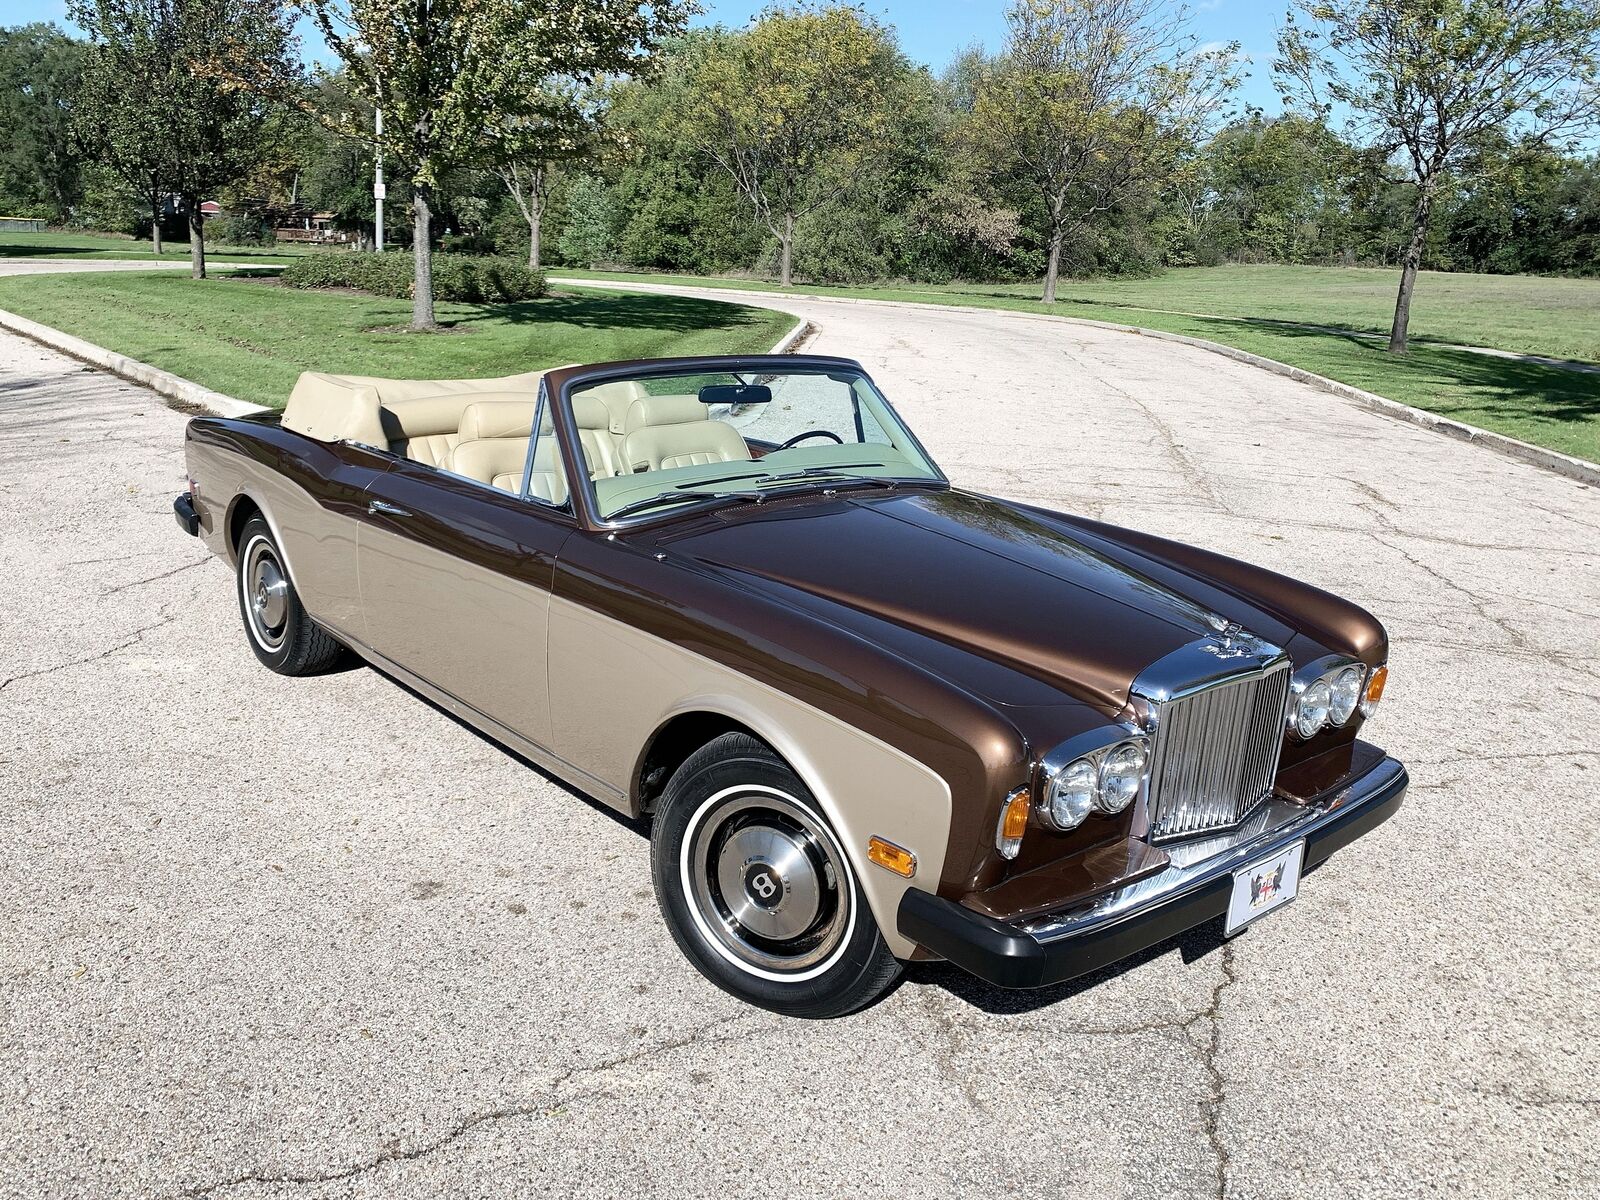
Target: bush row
[{"x": 455, "y": 276}]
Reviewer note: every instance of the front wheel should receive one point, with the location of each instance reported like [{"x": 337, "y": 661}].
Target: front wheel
[
  {"x": 281, "y": 633},
  {"x": 757, "y": 890}
]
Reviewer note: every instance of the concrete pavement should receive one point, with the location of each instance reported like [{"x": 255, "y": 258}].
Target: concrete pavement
[{"x": 269, "y": 937}]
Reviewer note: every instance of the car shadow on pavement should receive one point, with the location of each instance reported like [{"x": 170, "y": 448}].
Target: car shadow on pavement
[{"x": 1194, "y": 945}]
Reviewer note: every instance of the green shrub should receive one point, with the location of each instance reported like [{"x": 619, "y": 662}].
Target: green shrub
[
  {"x": 455, "y": 276},
  {"x": 240, "y": 229},
  {"x": 467, "y": 243}
]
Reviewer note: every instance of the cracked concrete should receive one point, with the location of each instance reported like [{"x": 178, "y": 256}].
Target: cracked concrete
[{"x": 285, "y": 938}]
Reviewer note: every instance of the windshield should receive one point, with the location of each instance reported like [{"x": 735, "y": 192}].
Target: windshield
[{"x": 652, "y": 443}]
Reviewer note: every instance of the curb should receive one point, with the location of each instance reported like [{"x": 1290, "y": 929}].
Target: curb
[
  {"x": 1579, "y": 469},
  {"x": 192, "y": 395},
  {"x": 174, "y": 387},
  {"x": 790, "y": 341}
]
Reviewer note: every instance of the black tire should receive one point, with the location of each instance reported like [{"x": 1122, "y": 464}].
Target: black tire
[
  {"x": 735, "y": 812},
  {"x": 275, "y": 622}
]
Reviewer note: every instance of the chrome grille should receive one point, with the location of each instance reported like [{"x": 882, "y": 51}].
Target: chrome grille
[{"x": 1216, "y": 753}]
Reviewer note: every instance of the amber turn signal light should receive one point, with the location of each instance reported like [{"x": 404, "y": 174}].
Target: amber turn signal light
[
  {"x": 1375, "y": 685},
  {"x": 1013, "y": 823},
  {"x": 891, "y": 857}
]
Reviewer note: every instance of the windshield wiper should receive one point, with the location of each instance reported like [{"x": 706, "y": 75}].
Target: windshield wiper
[
  {"x": 813, "y": 472},
  {"x": 635, "y": 506}
]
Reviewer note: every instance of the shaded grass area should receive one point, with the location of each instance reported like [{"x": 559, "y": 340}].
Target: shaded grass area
[
  {"x": 98, "y": 246},
  {"x": 251, "y": 339},
  {"x": 1549, "y": 406}
]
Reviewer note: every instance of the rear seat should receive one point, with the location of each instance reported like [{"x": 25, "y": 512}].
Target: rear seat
[{"x": 427, "y": 429}]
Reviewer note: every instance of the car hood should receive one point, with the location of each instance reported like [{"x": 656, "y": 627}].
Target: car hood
[{"x": 1008, "y": 606}]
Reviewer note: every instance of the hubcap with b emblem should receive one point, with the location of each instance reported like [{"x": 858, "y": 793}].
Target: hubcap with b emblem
[{"x": 768, "y": 879}]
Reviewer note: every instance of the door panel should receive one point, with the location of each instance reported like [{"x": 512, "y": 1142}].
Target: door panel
[{"x": 455, "y": 584}]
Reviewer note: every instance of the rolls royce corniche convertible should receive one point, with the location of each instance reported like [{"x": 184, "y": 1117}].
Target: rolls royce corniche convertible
[{"x": 871, "y": 717}]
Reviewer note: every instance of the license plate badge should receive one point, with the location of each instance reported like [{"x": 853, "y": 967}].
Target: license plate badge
[{"x": 1265, "y": 885}]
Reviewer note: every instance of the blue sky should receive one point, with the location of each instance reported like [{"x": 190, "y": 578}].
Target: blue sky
[{"x": 931, "y": 31}]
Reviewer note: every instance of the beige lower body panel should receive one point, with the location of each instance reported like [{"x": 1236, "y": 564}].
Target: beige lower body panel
[
  {"x": 318, "y": 546},
  {"x": 612, "y": 687}
]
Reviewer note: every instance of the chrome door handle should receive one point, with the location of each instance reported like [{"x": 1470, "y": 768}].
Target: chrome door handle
[{"x": 374, "y": 507}]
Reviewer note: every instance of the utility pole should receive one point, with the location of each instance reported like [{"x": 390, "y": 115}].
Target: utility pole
[{"x": 378, "y": 190}]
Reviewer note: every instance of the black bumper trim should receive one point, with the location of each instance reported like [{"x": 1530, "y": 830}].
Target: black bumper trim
[
  {"x": 188, "y": 519},
  {"x": 1011, "y": 957}
]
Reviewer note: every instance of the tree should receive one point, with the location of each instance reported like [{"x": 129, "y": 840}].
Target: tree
[
  {"x": 587, "y": 238},
  {"x": 525, "y": 149},
  {"x": 1092, "y": 99},
  {"x": 793, "y": 109},
  {"x": 179, "y": 93},
  {"x": 1275, "y": 189},
  {"x": 40, "y": 70},
  {"x": 124, "y": 95},
  {"x": 1432, "y": 78},
  {"x": 445, "y": 72}
]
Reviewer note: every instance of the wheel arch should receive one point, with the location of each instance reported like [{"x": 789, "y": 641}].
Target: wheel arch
[
  {"x": 245, "y": 505},
  {"x": 850, "y": 802}
]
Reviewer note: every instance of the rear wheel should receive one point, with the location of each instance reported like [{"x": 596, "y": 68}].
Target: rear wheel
[
  {"x": 281, "y": 634},
  {"x": 757, "y": 890}
]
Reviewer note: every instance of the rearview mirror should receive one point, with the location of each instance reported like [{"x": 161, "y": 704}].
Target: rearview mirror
[{"x": 735, "y": 393}]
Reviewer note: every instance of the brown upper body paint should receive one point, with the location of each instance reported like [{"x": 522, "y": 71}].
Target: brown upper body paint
[{"x": 970, "y": 634}]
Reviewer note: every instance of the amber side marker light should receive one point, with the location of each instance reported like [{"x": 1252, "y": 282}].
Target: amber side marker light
[
  {"x": 1013, "y": 824},
  {"x": 1374, "y": 693},
  {"x": 891, "y": 857}
]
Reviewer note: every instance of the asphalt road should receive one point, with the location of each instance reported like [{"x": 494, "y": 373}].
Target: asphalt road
[{"x": 266, "y": 937}]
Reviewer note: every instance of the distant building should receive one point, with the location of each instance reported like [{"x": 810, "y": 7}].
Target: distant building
[{"x": 21, "y": 225}]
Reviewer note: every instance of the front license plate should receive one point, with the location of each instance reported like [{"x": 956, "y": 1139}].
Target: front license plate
[{"x": 1263, "y": 886}]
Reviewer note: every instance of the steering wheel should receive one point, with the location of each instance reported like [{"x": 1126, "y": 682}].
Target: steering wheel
[{"x": 811, "y": 433}]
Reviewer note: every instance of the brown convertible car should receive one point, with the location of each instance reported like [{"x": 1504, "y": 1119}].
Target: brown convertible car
[{"x": 873, "y": 717}]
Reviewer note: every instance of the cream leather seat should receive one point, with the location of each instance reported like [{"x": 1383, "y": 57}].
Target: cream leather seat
[
  {"x": 673, "y": 431},
  {"x": 492, "y": 446},
  {"x": 428, "y": 429},
  {"x": 600, "y": 445}
]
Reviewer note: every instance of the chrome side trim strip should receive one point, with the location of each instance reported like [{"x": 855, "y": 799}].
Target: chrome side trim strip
[{"x": 1202, "y": 861}]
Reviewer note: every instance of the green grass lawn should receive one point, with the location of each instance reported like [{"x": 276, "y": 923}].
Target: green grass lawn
[
  {"x": 252, "y": 339},
  {"x": 102, "y": 245},
  {"x": 1254, "y": 309}
]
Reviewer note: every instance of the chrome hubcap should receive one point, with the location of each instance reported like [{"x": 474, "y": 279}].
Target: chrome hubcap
[
  {"x": 768, "y": 880},
  {"x": 267, "y": 593}
]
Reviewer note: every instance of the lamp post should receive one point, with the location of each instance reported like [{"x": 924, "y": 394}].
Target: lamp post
[{"x": 378, "y": 190}]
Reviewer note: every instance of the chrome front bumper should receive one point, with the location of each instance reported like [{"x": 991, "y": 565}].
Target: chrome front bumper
[{"x": 1193, "y": 889}]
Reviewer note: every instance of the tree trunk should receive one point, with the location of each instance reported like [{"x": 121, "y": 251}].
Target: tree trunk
[
  {"x": 197, "y": 237},
  {"x": 786, "y": 258},
  {"x": 1399, "y": 331},
  {"x": 422, "y": 254},
  {"x": 155, "y": 224},
  {"x": 535, "y": 216},
  {"x": 1053, "y": 268}
]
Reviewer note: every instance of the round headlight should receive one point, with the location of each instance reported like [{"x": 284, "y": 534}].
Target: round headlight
[
  {"x": 1072, "y": 793},
  {"x": 1345, "y": 694},
  {"x": 1120, "y": 774},
  {"x": 1311, "y": 714}
]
